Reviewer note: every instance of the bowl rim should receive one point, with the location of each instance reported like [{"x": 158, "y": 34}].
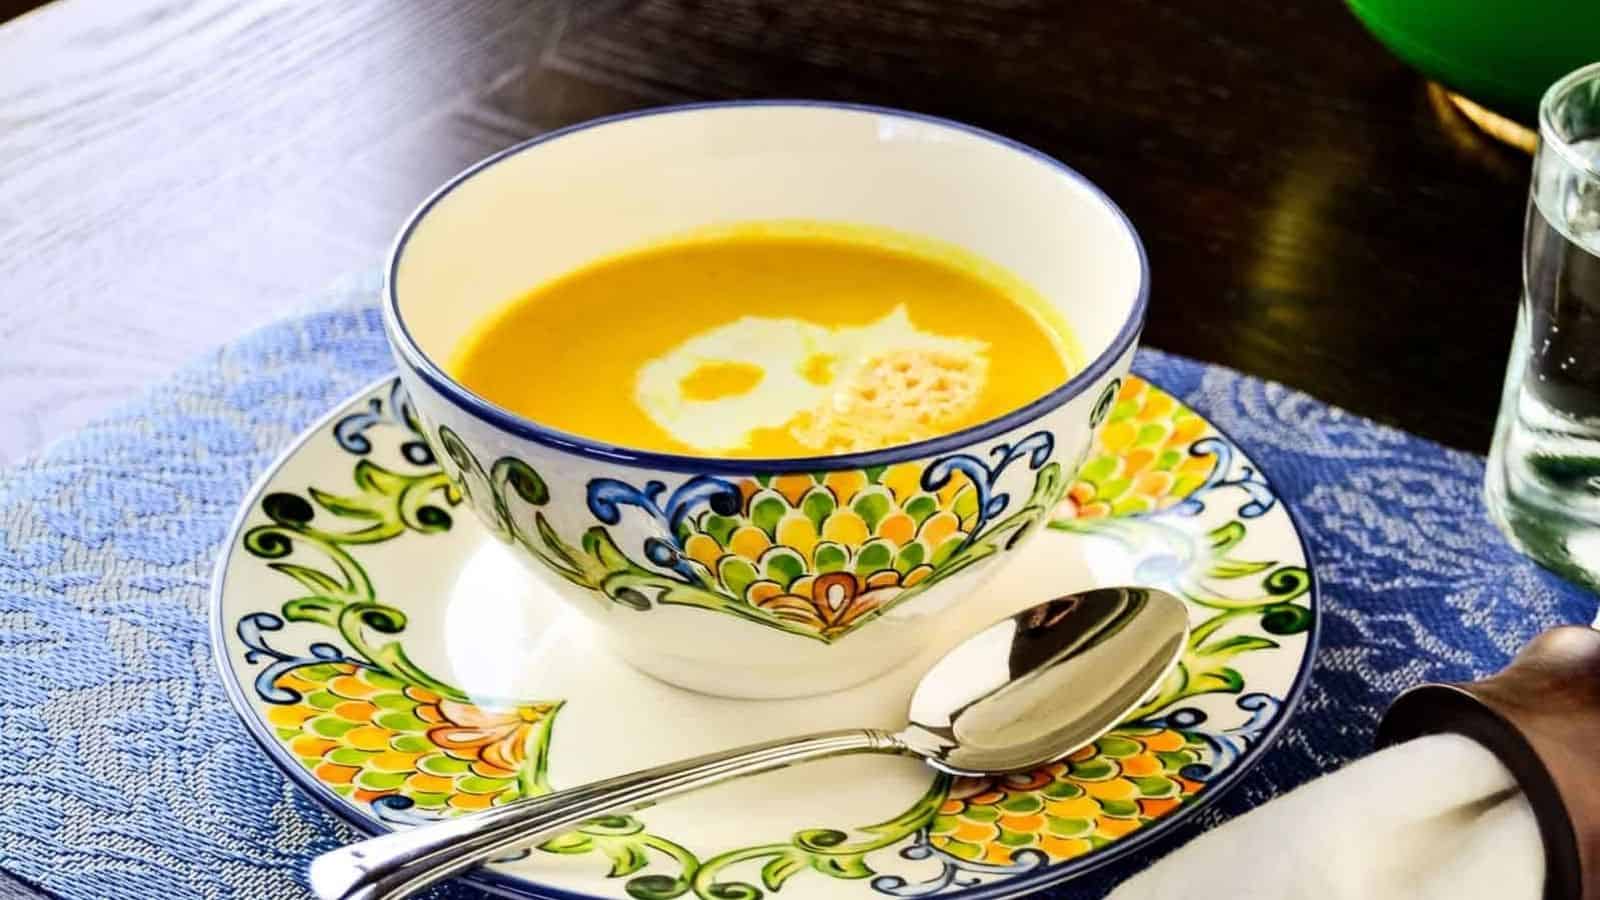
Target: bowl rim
[{"x": 412, "y": 356}]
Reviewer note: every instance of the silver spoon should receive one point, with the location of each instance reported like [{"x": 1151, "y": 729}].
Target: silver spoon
[{"x": 1023, "y": 692}]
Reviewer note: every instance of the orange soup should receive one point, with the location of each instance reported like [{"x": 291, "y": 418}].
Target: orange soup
[{"x": 771, "y": 340}]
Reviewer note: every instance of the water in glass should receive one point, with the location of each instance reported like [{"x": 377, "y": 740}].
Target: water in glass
[{"x": 1543, "y": 482}]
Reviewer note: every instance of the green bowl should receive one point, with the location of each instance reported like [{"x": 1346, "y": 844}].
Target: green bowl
[{"x": 1500, "y": 53}]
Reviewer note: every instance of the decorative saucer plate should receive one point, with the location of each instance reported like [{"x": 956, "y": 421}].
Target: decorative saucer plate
[{"x": 399, "y": 664}]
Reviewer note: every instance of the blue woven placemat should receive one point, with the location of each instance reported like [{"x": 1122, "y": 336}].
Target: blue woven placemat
[{"x": 124, "y": 774}]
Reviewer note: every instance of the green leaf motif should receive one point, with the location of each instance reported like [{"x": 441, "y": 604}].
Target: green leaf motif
[
  {"x": 627, "y": 857},
  {"x": 1220, "y": 680},
  {"x": 1286, "y": 619},
  {"x": 1226, "y": 536},
  {"x": 1228, "y": 568},
  {"x": 1237, "y": 644},
  {"x": 321, "y": 610},
  {"x": 571, "y": 842},
  {"x": 852, "y": 866},
  {"x": 375, "y": 479},
  {"x": 346, "y": 507},
  {"x": 780, "y": 869},
  {"x": 522, "y": 479},
  {"x": 1287, "y": 583},
  {"x": 316, "y": 582}
]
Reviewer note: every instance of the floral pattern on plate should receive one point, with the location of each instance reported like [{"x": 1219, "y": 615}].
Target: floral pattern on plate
[{"x": 1173, "y": 502}]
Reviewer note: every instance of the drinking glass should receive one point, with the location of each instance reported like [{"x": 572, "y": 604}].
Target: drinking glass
[{"x": 1543, "y": 482}]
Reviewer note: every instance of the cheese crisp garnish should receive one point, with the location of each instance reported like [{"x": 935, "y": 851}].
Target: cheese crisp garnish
[{"x": 835, "y": 390}]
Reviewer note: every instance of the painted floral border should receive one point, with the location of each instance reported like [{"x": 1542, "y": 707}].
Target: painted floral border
[{"x": 380, "y": 731}]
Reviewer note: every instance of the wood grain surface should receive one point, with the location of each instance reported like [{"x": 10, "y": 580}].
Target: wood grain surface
[{"x": 173, "y": 172}]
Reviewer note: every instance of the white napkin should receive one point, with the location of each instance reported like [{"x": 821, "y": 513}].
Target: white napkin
[{"x": 1438, "y": 818}]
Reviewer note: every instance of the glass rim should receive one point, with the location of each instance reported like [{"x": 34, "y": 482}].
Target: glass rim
[{"x": 1549, "y": 136}]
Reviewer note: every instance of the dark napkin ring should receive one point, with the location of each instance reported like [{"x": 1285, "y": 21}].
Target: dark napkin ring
[{"x": 1541, "y": 717}]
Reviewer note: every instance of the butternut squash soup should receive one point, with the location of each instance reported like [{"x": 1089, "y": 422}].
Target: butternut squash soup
[{"x": 771, "y": 340}]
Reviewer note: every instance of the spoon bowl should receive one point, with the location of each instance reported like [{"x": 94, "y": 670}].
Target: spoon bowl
[
  {"x": 1025, "y": 691},
  {"x": 1034, "y": 687}
]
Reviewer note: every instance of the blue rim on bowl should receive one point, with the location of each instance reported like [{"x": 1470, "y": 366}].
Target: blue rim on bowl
[{"x": 469, "y": 402}]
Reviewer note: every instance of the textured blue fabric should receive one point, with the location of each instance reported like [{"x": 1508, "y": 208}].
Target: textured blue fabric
[{"x": 125, "y": 774}]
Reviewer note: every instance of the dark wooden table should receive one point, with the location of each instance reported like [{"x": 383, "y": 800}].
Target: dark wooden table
[{"x": 175, "y": 171}]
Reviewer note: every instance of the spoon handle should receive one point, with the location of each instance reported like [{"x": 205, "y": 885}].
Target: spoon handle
[{"x": 398, "y": 864}]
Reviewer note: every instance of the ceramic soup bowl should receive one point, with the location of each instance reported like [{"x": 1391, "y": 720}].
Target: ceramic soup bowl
[{"x": 772, "y": 577}]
